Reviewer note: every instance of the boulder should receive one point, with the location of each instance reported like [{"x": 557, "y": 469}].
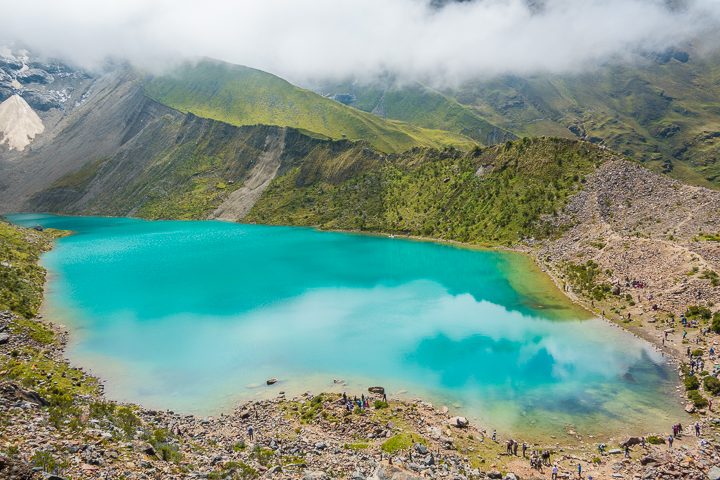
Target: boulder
[
  {"x": 631, "y": 441},
  {"x": 146, "y": 448},
  {"x": 647, "y": 460},
  {"x": 34, "y": 75},
  {"x": 13, "y": 390},
  {"x": 40, "y": 101},
  {"x": 392, "y": 472},
  {"x": 459, "y": 422},
  {"x": 690, "y": 408},
  {"x": 316, "y": 476},
  {"x": 4, "y": 338},
  {"x": 615, "y": 451},
  {"x": 714, "y": 473},
  {"x": 9, "y": 63},
  {"x": 511, "y": 476},
  {"x": 378, "y": 390},
  {"x": 494, "y": 474},
  {"x": 421, "y": 449},
  {"x": 271, "y": 381}
]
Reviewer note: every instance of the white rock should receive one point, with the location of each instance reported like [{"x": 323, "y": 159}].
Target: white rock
[{"x": 18, "y": 123}]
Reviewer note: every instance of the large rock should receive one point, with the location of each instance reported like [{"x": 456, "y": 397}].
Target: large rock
[
  {"x": 34, "y": 75},
  {"x": 392, "y": 472},
  {"x": 647, "y": 460},
  {"x": 14, "y": 468},
  {"x": 459, "y": 422},
  {"x": 316, "y": 476},
  {"x": 7, "y": 63},
  {"x": 714, "y": 473},
  {"x": 40, "y": 100},
  {"x": 378, "y": 390},
  {"x": 4, "y": 338},
  {"x": 14, "y": 391},
  {"x": 631, "y": 441}
]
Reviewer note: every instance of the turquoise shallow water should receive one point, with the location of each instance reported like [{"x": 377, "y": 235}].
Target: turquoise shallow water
[{"x": 194, "y": 316}]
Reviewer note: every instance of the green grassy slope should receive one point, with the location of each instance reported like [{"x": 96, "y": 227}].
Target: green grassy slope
[
  {"x": 21, "y": 278},
  {"x": 244, "y": 96},
  {"x": 664, "y": 114},
  {"x": 419, "y": 105},
  {"x": 495, "y": 196}
]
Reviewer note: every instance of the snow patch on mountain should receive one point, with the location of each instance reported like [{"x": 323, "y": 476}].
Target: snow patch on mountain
[{"x": 18, "y": 123}]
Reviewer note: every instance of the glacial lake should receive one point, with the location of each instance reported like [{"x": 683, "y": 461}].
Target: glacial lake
[{"x": 194, "y": 316}]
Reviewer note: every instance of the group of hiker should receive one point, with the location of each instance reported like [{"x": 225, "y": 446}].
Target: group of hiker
[
  {"x": 362, "y": 403},
  {"x": 537, "y": 458}
]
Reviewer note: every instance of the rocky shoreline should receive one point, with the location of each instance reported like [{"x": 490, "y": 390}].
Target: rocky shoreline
[{"x": 309, "y": 437}]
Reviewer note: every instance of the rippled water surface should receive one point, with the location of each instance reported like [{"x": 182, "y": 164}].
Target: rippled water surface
[{"x": 193, "y": 316}]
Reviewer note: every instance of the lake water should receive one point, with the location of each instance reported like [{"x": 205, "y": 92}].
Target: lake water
[{"x": 195, "y": 316}]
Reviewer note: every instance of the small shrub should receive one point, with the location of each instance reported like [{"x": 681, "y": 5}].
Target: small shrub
[
  {"x": 697, "y": 352},
  {"x": 45, "y": 461},
  {"x": 699, "y": 312},
  {"x": 379, "y": 404},
  {"x": 697, "y": 399},
  {"x": 715, "y": 327},
  {"x": 691, "y": 383},
  {"x": 127, "y": 421},
  {"x": 263, "y": 456},
  {"x": 712, "y": 385},
  {"x": 655, "y": 440}
]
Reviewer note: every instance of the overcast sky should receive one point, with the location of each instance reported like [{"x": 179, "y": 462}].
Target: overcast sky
[{"x": 304, "y": 39}]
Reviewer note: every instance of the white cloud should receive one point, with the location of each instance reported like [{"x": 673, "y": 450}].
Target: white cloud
[{"x": 303, "y": 39}]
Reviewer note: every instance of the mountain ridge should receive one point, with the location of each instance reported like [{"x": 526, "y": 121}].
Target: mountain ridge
[{"x": 241, "y": 95}]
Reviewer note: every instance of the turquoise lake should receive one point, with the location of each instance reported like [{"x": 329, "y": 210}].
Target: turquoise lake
[{"x": 195, "y": 316}]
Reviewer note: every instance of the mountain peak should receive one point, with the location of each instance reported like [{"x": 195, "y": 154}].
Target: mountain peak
[{"x": 18, "y": 123}]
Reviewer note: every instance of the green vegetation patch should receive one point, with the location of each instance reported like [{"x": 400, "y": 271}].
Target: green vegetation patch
[
  {"x": 698, "y": 312},
  {"x": 235, "y": 470},
  {"x": 712, "y": 385},
  {"x": 21, "y": 278},
  {"x": 401, "y": 441},
  {"x": 495, "y": 196},
  {"x": 697, "y": 399},
  {"x": 586, "y": 279}
]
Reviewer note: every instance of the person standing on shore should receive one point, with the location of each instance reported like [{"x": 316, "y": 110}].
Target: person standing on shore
[
  {"x": 554, "y": 472},
  {"x": 251, "y": 433},
  {"x": 579, "y": 470},
  {"x": 524, "y": 449},
  {"x": 670, "y": 441},
  {"x": 697, "y": 429}
]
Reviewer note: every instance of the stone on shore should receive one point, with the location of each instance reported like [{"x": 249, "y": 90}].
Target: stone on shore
[{"x": 459, "y": 422}]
